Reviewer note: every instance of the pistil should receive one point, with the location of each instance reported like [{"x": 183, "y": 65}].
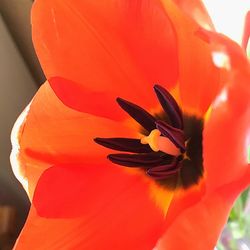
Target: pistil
[{"x": 160, "y": 143}]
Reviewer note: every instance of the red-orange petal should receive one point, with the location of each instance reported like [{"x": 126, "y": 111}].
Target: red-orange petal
[
  {"x": 55, "y": 134},
  {"x": 196, "y": 10},
  {"x": 91, "y": 207},
  {"x": 200, "y": 77},
  {"x": 246, "y": 33},
  {"x": 226, "y": 139},
  {"x": 227, "y": 133},
  {"x": 199, "y": 226},
  {"x": 118, "y": 47}
]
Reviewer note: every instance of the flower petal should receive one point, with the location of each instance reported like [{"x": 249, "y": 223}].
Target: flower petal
[
  {"x": 202, "y": 213},
  {"x": 227, "y": 130},
  {"x": 91, "y": 207},
  {"x": 117, "y": 47},
  {"x": 55, "y": 134},
  {"x": 196, "y": 10},
  {"x": 199, "y": 78},
  {"x": 246, "y": 33},
  {"x": 78, "y": 97},
  {"x": 198, "y": 227}
]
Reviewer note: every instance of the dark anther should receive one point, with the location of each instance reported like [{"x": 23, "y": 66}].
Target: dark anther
[
  {"x": 174, "y": 134},
  {"x": 161, "y": 172},
  {"x": 139, "y": 114},
  {"x": 170, "y": 106},
  {"x": 148, "y": 160},
  {"x": 124, "y": 144},
  {"x": 158, "y": 165}
]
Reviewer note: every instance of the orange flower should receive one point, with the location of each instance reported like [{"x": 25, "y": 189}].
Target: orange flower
[{"x": 189, "y": 148}]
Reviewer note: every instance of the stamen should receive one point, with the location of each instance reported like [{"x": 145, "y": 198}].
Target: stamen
[
  {"x": 124, "y": 144},
  {"x": 140, "y": 160},
  {"x": 170, "y": 106},
  {"x": 164, "y": 168},
  {"x": 162, "y": 152},
  {"x": 139, "y": 114},
  {"x": 174, "y": 134},
  {"x": 161, "y": 172},
  {"x": 163, "y": 175}
]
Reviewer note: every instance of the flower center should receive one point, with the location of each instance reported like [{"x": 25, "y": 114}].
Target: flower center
[{"x": 170, "y": 151}]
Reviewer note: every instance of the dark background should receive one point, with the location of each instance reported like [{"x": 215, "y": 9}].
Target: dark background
[{"x": 20, "y": 77}]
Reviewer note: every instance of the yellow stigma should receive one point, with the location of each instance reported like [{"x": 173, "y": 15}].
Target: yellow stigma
[{"x": 152, "y": 140}]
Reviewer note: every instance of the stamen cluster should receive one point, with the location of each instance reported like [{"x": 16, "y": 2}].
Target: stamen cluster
[{"x": 159, "y": 165}]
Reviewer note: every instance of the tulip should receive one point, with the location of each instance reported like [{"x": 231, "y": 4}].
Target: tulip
[{"x": 139, "y": 138}]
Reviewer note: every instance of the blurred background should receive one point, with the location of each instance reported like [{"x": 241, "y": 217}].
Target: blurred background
[{"x": 21, "y": 76}]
